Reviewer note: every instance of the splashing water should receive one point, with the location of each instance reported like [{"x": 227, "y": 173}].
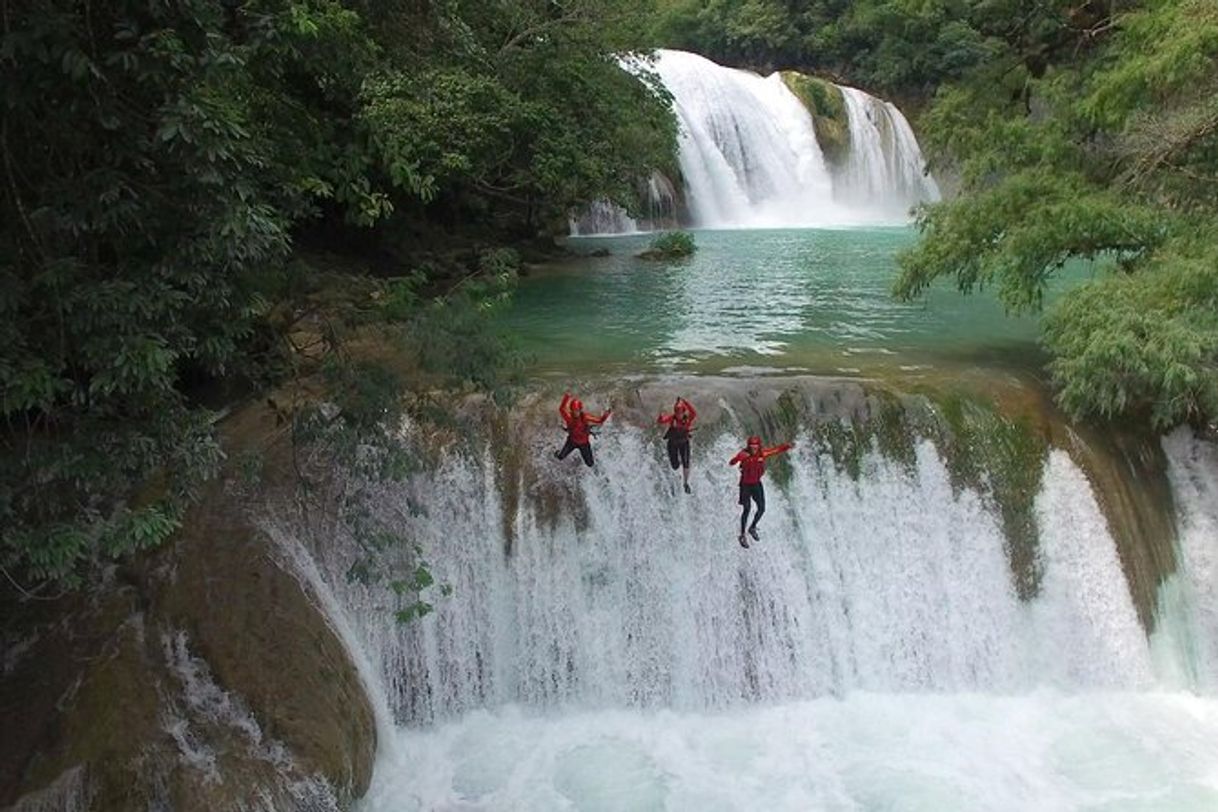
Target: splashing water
[
  {"x": 884, "y": 172},
  {"x": 608, "y": 646},
  {"x": 750, "y": 157}
]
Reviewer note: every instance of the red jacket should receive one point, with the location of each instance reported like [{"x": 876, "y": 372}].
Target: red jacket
[
  {"x": 683, "y": 422},
  {"x": 752, "y": 466},
  {"x": 578, "y": 424}
]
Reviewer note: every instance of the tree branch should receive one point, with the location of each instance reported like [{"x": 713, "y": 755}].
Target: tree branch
[{"x": 573, "y": 15}]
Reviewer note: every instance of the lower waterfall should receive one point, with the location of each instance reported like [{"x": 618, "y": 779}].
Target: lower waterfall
[{"x": 607, "y": 645}]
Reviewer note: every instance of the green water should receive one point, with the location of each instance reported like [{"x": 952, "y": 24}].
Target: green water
[{"x": 810, "y": 301}]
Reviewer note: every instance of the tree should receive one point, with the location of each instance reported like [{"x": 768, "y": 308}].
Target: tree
[
  {"x": 1109, "y": 153},
  {"x": 161, "y": 161}
]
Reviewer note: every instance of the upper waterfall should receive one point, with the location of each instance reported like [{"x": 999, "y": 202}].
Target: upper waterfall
[
  {"x": 751, "y": 155},
  {"x": 748, "y": 150},
  {"x": 883, "y": 172}
]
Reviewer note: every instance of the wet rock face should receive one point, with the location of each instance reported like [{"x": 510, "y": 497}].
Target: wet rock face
[{"x": 200, "y": 678}]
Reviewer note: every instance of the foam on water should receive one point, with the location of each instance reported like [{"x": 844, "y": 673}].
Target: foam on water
[
  {"x": 609, "y": 646},
  {"x": 937, "y": 753},
  {"x": 1186, "y": 638}
]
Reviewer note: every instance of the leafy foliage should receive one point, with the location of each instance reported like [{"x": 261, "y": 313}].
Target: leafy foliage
[
  {"x": 135, "y": 220},
  {"x": 1016, "y": 234},
  {"x": 1109, "y": 155},
  {"x": 893, "y": 46},
  {"x": 1142, "y": 344},
  {"x": 671, "y": 245},
  {"x": 525, "y": 108},
  {"x": 1076, "y": 129},
  {"x": 160, "y": 162}
]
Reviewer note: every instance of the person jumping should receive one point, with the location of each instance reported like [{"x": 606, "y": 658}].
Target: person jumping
[
  {"x": 752, "y": 467},
  {"x": 680, "y": 422},
  {"x": 578, "y": 423}
]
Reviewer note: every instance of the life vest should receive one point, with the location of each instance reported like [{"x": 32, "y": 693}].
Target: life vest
[
  {"x": 752, "y": 469},
  {"x": 578, "y": 429}
]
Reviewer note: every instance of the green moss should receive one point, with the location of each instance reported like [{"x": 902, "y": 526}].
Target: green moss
[
  {"x": 847, "y": 441},
  {"x": 882, "y": 428},
  {"x": 895, "y": 436},
  {"x": 509, "y": 475},
  {"x": 999, "y": 457},
  {"x": 827, "y": 105},
  {"x": 777, "y": 425},
  {"x": 1003, "y": 459}
]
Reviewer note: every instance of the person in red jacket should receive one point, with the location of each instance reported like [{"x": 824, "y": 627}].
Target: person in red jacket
[
  {"x": 680, "y": 423},
  {"x": 752, "y": 467},
  {"x": 578, "y": 423}
]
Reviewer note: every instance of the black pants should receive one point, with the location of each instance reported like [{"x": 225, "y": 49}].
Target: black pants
[
  {"x": 678, "y": 451},
  {"x": 585, "y": 451},
  {"x": 748, "y": 495}
]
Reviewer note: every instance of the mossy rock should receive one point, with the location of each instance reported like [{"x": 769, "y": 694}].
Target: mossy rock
[
  {"x": 90, "y": 699},
  {"x": 827, "y": 105},
  {"x": 1002, "y": 458}
]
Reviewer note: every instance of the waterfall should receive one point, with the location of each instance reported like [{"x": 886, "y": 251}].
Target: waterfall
[
  {"x": 607, "y": 645},
  {"x": 1187, "y": 636},
  {"x": 750, "y": 157},
  {"x": 884, "y": 170},
  {"x": 748, "y": 152},
  {"x": 603, "y": 217},
  {"x": 629, "y": 595},
  {"x": 661, "y": 207}
]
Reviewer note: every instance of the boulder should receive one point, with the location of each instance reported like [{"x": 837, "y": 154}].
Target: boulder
[{"x": 200, "y": 677}]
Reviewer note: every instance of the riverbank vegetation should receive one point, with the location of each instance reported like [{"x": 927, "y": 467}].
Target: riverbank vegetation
[
  {"x": 1105, "y": 151},
  {"x": 1077, "y": 129},
  {"x": 670, "y": 245},
  {"x": 201, "y": 200},
  {"x": 164, "y": 164}
]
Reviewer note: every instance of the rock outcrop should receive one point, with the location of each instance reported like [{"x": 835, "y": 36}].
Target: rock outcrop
[{"x": 200, "y": 677}]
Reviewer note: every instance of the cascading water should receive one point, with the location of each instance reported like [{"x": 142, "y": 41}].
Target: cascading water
[
  {"x": 748, "y": 150},
  {"x": 884, "y": 170},
  {"x": 603, "y": 217},
  {"x": 608, "y": 646},
  {"x": 661, "y": 210},
  {"x": 1187, "y": 636},
  {"x": 750, "y": 157}
]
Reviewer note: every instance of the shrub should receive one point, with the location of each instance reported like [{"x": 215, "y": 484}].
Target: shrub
[{"x": 671, "y": 245}]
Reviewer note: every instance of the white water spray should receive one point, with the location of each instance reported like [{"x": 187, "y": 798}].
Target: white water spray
[
  {"x": 869, "y": 651},
  {"x": 603, "y": 217},
  {"x": 748, "y": 152},
  {"x": 750, "y": 157},
  {"x": 884, "y": 172},
  {"x": 1186, "y": 639}
]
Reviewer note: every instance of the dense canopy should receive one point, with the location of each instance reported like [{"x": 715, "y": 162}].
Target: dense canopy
[{"x": 162, "y": 161}]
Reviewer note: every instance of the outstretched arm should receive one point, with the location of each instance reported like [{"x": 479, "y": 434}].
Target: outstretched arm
[
  {"x": 739, "y": 458},
  {"x": 664, "y": 418},
  {"x": 693, "y": 413},
  {"x": 562, "y": 407},
  {"x": 778, "y": 449},
  {"x": 596, "y": 420}
]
